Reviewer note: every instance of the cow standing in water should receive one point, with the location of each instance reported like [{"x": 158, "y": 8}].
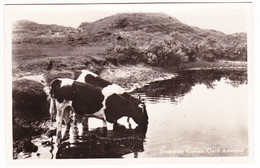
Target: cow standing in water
[
  {"x": 108, "y": 103},
  {"x": 86, "y": 76}
]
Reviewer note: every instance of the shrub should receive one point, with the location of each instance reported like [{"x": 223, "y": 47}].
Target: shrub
[{"x": 29, "y": 100}]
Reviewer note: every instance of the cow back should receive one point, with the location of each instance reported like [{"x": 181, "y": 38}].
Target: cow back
[
  {"x": 97, "y": 81},
  {"x": 86, "y": 99}
]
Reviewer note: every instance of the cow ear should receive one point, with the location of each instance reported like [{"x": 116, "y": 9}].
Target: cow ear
[{"x": 55, "y": 86}]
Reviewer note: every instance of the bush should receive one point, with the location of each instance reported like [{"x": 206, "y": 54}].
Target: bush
[
  {"x": 29, "y": 100},
  {"x": 157, "y": 52}
]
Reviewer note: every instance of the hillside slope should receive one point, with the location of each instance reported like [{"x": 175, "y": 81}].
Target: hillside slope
[
  {"x": 159, "y": 39},
  {"x": 30, "y": 32},
  {"x": 151, "y": 38}
]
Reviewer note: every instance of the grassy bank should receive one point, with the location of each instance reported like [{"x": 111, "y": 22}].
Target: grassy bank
[{"x": 45, "y": 59}]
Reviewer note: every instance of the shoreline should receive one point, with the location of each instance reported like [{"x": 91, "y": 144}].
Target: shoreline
[
  {"x": 217, "y": 65},
  {"x": 132, "y": 77}
]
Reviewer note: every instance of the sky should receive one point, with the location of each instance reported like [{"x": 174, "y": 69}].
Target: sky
[{"x": 226, "y": 17}]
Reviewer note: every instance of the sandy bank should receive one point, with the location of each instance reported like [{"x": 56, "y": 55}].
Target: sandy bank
[{"x": 131, "y": 77}]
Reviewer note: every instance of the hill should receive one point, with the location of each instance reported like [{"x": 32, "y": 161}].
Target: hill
[
  {"x": 30, "y": 32},
  {"x": 110, "y": 27},
  {"x": 151, "y": 38},
  {"x": 159, "y": 39}
]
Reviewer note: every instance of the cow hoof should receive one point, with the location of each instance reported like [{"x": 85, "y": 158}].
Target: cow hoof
[{"x": 104, "y": 131}]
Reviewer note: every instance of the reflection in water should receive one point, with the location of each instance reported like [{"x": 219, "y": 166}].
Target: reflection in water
[
  {"x": 95, "y": 144},
  {"x": 197, "y": 113},
  {"x": 179, "y": 86}
]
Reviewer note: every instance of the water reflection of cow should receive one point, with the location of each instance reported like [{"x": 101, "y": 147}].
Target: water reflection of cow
[
  {"x": 93, "y": 145},
  {"x": 91, "y": 96}
]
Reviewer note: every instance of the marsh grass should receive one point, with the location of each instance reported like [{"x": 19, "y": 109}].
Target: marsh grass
[{"x": 45, "y": 59}]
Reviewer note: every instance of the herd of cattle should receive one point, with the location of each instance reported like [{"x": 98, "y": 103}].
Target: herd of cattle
[{"x": 91, "y": 96}]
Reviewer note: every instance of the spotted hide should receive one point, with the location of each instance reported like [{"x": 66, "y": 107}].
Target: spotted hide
[{"x": 88, "y": 100}]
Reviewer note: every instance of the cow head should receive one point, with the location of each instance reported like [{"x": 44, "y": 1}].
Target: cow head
[
  {"x": 138, "y": 112},
  {"x": 55, "y": 85},
  {"x": 60, "y": 90}
]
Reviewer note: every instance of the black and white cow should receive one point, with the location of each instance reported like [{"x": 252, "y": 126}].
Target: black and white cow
[
  {"x": 88, "y": 100},
  {"x": 86, "y": 76},
  {"x": 89, "y": 77}
]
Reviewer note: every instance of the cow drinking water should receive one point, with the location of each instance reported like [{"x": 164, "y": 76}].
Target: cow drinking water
[
  {"x": 89, "y": 77},
  {"x": 105, "y": 103}
]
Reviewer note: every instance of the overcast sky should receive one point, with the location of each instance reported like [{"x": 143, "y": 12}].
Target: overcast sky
[{"x": 227, "y": 17}]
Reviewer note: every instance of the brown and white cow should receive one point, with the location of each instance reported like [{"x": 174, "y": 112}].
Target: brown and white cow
[{"x": 88, "y": 100}]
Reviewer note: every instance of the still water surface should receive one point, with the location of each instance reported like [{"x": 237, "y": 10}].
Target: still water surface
[{"x": 197, "y": 113}]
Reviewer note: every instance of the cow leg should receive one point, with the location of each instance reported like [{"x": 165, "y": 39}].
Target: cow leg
[
  {"x": 104, "y": 124},
  {"x": 116, "y": 125},
  {"x": 52, "y": 109},
  {"x": 104, "y": 127},
  {"x": 75, "y": 127},
  {"x": 59, "y": 124},
  {"x": 129, "y": 124},
  {"x": 67, "y": 120},
  {"x": 102, "y": 116},
  {"x": 85, "y": 124},
  {"x": 115, "y": 122}
]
